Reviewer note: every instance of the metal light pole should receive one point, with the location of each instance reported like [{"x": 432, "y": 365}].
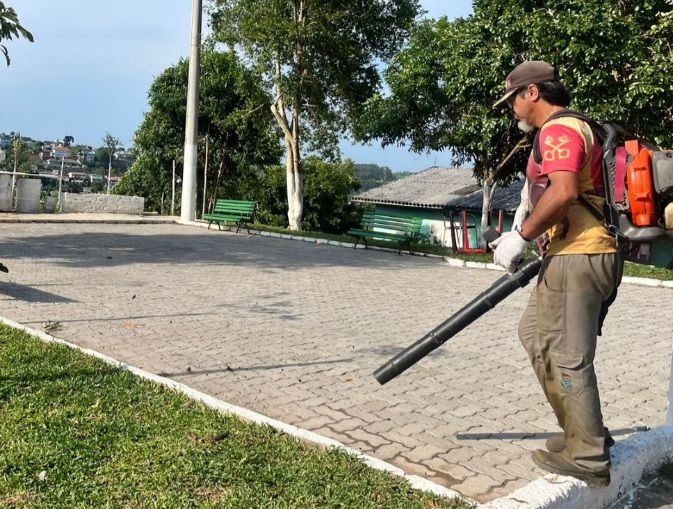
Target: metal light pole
[
  {"x": 188, "y": 203},
  {"x": 59, "y": 205},
  {"x": 173, "y": 191},
  {"x": 205, "y": 178},
  {"x": 109, "y": 171},
  {"x": 15, "y": 146},
  {"x": 669, "y": 414}
]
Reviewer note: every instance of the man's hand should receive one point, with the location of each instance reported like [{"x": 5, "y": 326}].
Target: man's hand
[{"x": 508, "y": 250}]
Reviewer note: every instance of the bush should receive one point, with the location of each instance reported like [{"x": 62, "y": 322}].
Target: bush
[{"x": 327, "y": 190}]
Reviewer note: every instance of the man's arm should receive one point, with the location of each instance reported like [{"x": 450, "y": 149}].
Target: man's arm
[{"x": 553, "y": 205}]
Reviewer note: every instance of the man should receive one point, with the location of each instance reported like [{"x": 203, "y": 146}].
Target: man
[{"x": 580, "y": 273}]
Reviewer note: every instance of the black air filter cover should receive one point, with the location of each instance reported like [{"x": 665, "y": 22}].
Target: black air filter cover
[{"x": 662, "y": 172}]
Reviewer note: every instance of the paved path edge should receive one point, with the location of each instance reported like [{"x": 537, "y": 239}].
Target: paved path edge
[
  {"x": 642, "y": 281},
  {"x": 304, "y": 435},
  {"x": 452, "y": 262},
  {"x": 640, "y": 453},
  {"x": 90, "y": 220}
]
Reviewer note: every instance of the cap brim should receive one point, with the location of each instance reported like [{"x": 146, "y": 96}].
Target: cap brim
[{"x": 500, "y": 102}]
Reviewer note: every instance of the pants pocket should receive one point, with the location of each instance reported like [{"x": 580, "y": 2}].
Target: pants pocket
[
  {"x": 550, "y": 310},
  {"x": 551, "y": 295},
  {"x": 571, "y": 371}
]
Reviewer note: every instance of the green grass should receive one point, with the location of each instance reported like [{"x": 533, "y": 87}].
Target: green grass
[
  {"x": 78, "y": 433},
  {"x": 637, "y": 270}
]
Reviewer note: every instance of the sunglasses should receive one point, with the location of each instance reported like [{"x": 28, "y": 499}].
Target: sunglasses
[{"x": 512, "y": 98}]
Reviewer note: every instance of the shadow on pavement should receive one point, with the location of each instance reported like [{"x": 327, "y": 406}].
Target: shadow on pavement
[
  {"x": 183, "y": 245},
  {"x": 21, "y": 292},
  {"x": 387, "y": 351},
  {"x": 251, "y": 368},
  {"x": 528, "y": 435},
  {"x": 168, "y": 316}
]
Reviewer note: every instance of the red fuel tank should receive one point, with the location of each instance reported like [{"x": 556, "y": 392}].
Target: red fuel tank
[{"x": 640, "y": 186}]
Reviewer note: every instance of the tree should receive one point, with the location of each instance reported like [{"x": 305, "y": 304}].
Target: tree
[
  {"x": 67, "y": 140},
  {"x": 18, "y": 155},
  {"x": 319, "y": 60},
  {"x": 232, "y": 115},
  {"x": 18, "y": 158},
  {"x": 614, "y": 57},
  {"x": 102, "y": 156},
  {"x": 373, "y": 175},
  {"x": 35, "y": 147},
  {"x": 328, "y": 187},
  {"x": 111, "y": 143},
  {"x": 10, "y": 28}
]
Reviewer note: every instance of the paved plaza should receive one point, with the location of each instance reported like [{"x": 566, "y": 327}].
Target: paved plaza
[{"x": 294, "y": 330}]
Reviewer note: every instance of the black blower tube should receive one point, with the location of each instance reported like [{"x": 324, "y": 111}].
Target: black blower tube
[{"x": 483, "y": 303}]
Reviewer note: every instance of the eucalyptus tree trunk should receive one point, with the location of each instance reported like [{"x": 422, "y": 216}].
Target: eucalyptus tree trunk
[
  {"x": 294, "y": 175},
  {"x": 489, "y": 185},
  {"x": 522, "y": 210},
  {"x": 488, "y": 188},
  {"x": 293, "y": 165},
  {"x": 295, "y": 182}
]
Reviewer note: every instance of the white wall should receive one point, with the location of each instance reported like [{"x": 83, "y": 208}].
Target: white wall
[{"x": 108, "y": 203}]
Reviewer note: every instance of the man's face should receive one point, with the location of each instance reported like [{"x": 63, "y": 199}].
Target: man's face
[
  {"x": 522, "y": 107},
  {"x": 512, "y": 99}
]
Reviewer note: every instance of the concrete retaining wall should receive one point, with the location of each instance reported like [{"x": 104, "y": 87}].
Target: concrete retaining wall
[{"x": 110, "y": 203}]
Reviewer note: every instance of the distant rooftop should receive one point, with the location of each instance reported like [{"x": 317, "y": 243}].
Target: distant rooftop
[{"x": 441, "y": 188}]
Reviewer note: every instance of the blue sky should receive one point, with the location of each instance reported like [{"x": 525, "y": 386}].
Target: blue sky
[{"x": 92, "y": 63}]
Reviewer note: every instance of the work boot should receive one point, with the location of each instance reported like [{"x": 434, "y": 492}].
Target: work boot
[
  {"x": 557, "y": 444},
  {"x": 557, "y": 464}
]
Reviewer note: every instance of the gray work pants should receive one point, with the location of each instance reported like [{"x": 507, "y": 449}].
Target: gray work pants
[{"x": 559, "y": 329}]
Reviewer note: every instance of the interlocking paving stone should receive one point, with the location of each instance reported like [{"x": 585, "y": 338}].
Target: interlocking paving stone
[{"x": 294, "y": 330}]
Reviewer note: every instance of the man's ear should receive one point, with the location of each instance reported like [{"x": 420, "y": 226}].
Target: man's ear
[{"x": 533, "y": 92}]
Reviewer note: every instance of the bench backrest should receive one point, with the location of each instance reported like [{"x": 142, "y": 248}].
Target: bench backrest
[
  {"x": 235, "y": 207},
  {"x": 408, "y": 225}
]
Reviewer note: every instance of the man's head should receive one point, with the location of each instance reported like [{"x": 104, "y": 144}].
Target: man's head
[{"x": 533, "y": 91}]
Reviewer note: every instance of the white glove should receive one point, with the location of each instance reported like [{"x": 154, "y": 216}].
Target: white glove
[{"x": 508, "y": 250}]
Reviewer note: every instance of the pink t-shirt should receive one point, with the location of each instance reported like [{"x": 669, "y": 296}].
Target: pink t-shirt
[{"x": 568, "y": 144}]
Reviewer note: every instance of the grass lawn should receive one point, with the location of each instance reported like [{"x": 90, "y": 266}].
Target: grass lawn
[
  {"x": 630, "y": 269},
  {"x": 78, "y": 433}
]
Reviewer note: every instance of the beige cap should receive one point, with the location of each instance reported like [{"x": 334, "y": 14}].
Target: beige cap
[{"x": 533, "y": 71}]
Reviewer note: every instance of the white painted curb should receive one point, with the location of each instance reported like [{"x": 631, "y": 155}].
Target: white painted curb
[
  {"x": 451, "y": 262},
  {"x": 312, "y": 240},
  {"x": 455, "y": 262},
  {"x": 631, "y": 458},
  {"x": 638, "y": 454},
  {"x": 416, "y": 482},
  {"x": 643, "y": 281}
]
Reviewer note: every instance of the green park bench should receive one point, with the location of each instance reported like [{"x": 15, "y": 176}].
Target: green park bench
[
  {"x": 403, "y": 230},
  {"x": 238, "y": 212}
]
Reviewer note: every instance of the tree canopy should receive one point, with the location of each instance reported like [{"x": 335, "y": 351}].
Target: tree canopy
[
  {"x": 614, "y": 57},
  {"x": 373, "y": 175},
  {"x": 10, "y": 28},
  {"x": 233, "y": 117},
  {"x": 319, "y": 60}
]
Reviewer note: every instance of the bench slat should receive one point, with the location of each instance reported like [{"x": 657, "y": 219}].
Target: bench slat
[
  {"x": 233, "y": 206},
  {"x": 238, "y": 212},
  {"x": 404, "y": 230}
]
